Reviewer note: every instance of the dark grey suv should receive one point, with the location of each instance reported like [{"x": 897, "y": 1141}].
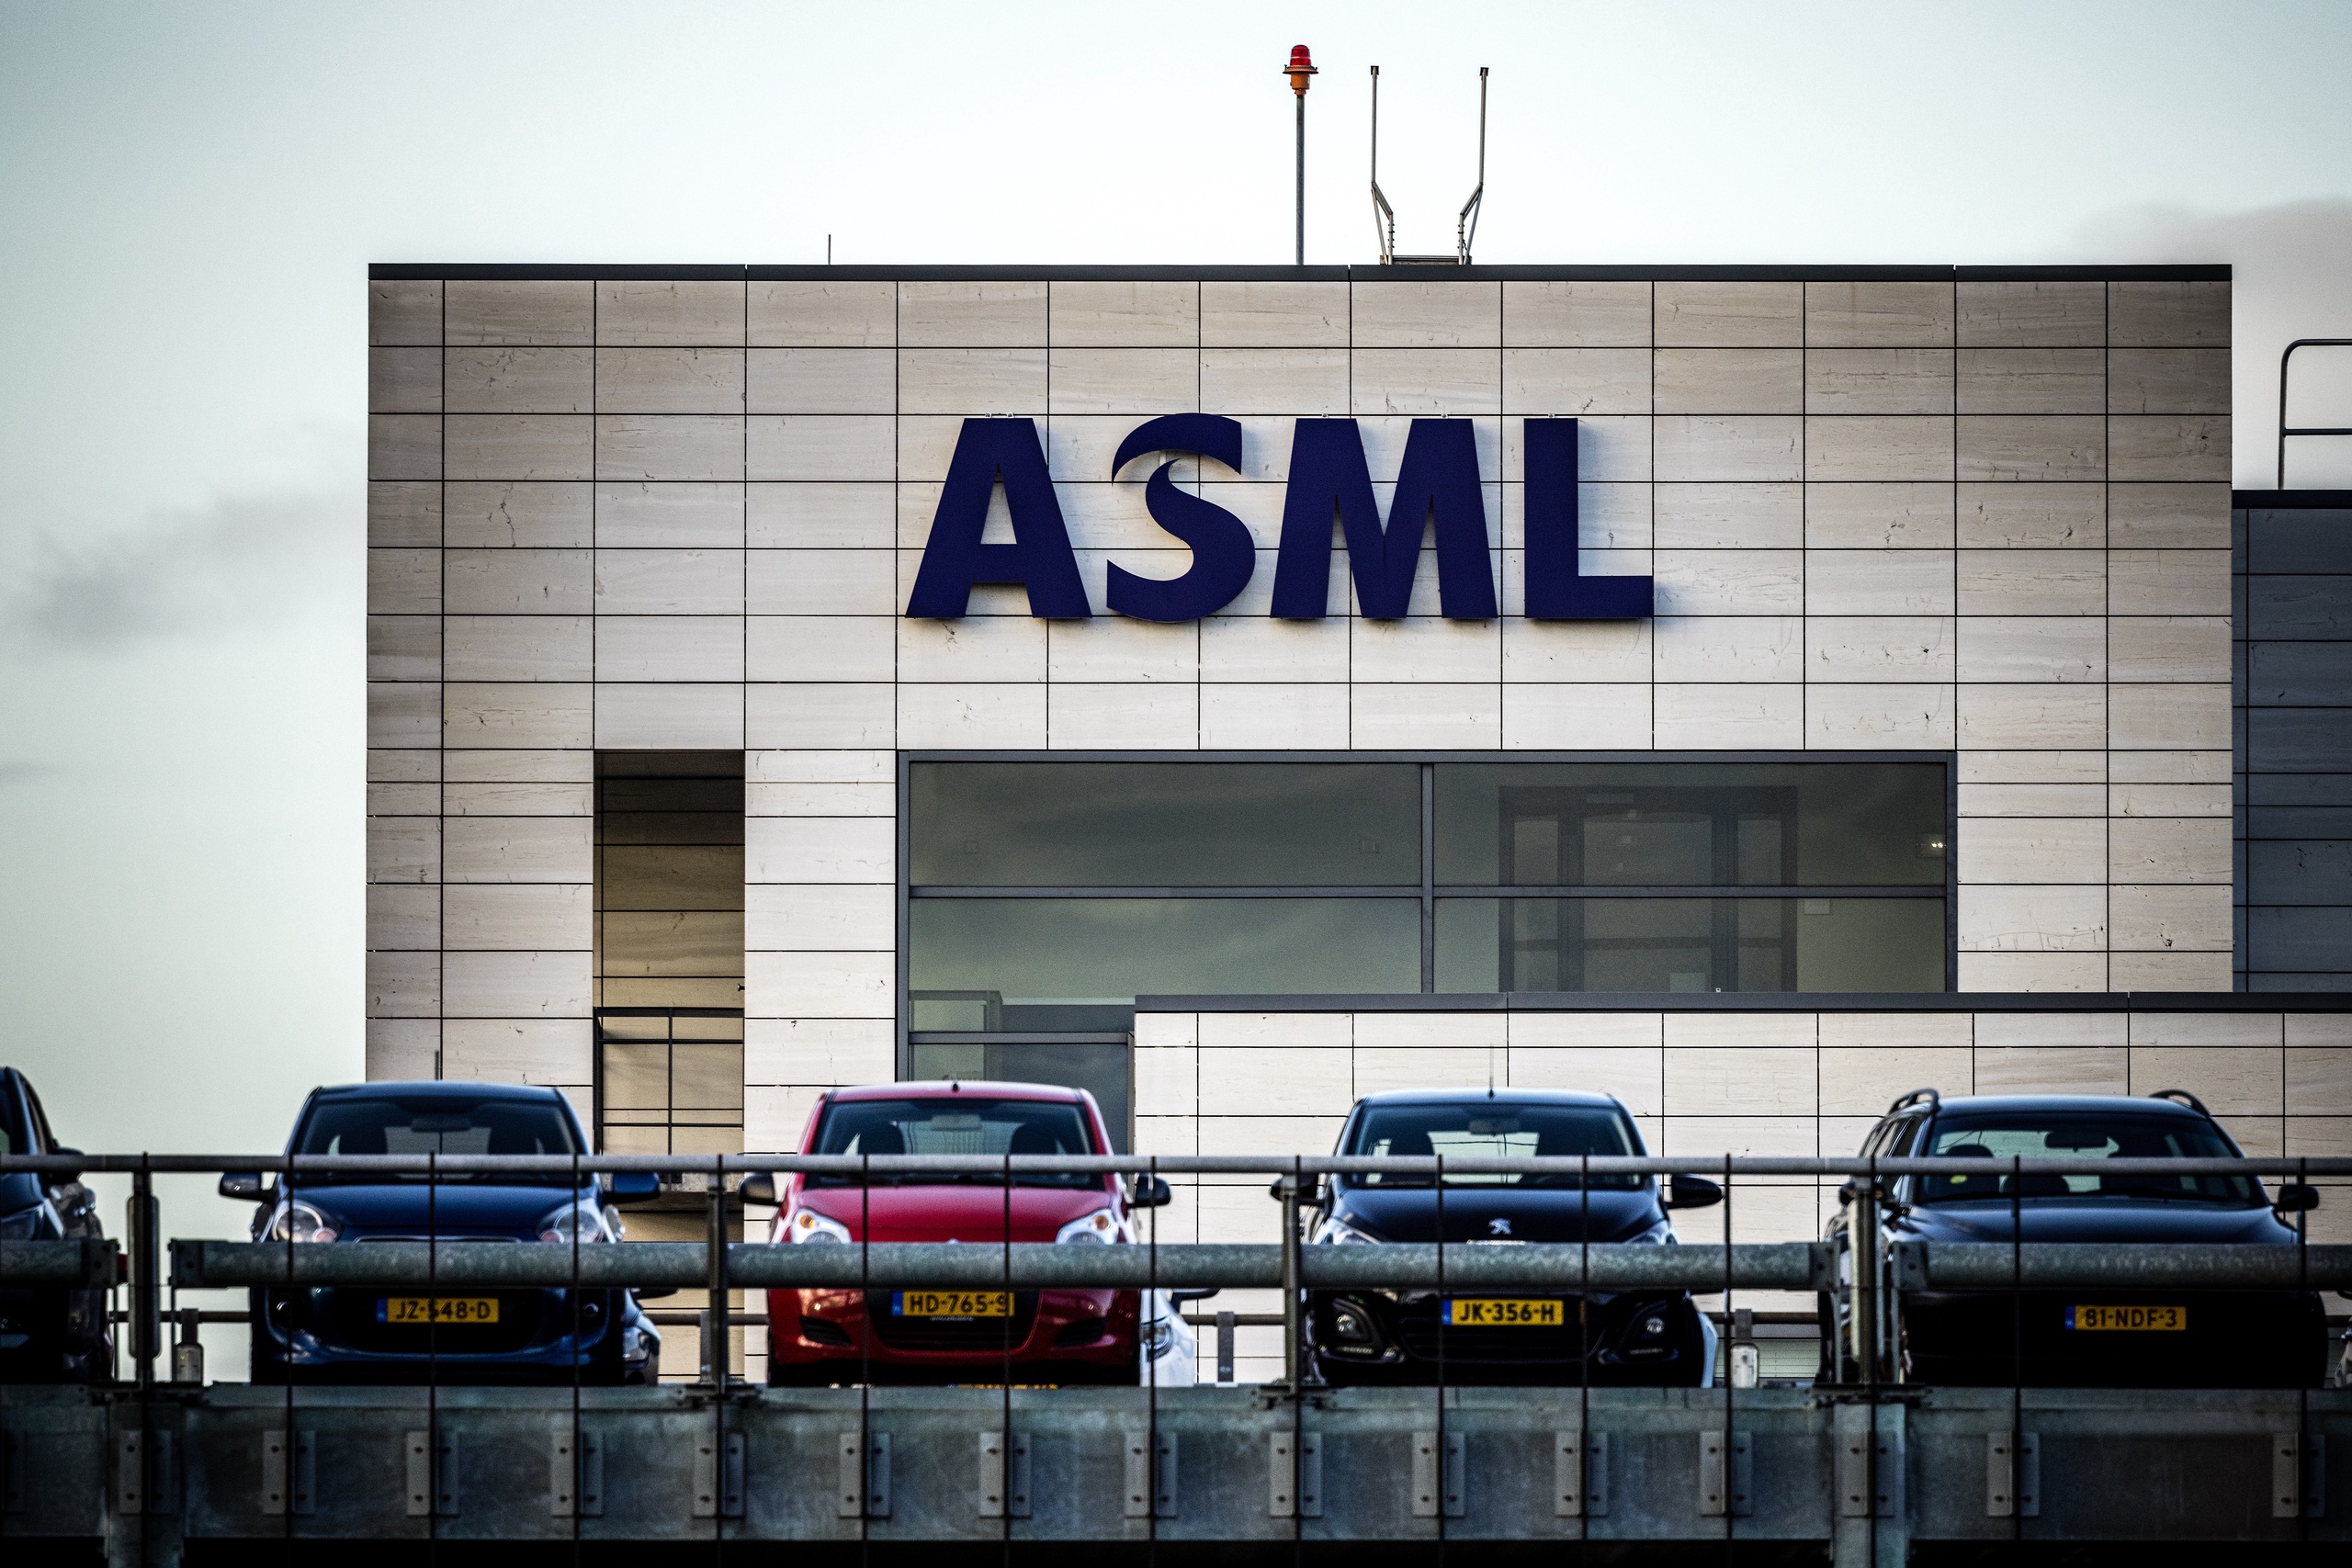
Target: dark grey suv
[{"x": 2158, "y": 1338}]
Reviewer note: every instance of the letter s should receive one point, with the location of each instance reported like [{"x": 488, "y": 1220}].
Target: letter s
[{"x": 1224, "y": 554}]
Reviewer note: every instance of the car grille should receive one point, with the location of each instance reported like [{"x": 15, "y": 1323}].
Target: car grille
[
  {"x": 1085, "y": 1331},
  {"x": 1418, "y": 1334},
  {"x": 977, "y": 1334}
]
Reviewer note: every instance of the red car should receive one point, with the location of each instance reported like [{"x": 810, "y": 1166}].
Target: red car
[{"x": 820, "y": 1337}]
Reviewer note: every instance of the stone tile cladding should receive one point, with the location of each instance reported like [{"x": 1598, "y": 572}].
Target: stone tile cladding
[{"x": 1988, "y": 517}]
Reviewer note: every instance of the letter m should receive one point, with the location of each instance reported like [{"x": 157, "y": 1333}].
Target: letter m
[{"x": 1437, "y": 482}]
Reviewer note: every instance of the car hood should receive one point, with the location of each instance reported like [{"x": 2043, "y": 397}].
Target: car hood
[
  {"x": 957, "y": 1212},
  {"x": 2106, "y": 1219},
  {"x": 449, "y": 1208},
  {"x": 1539, "y": 1213}
]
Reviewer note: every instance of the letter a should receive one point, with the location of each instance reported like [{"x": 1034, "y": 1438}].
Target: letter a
[{"x": 1039, "y": 557}]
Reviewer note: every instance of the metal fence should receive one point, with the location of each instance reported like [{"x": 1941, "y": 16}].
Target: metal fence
[{"x": 1864, "y": 1285}]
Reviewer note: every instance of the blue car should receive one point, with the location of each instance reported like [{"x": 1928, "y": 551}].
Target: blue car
[{"x": 452, "y": 1335}]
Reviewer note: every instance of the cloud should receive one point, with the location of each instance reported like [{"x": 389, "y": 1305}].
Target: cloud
[
  {"x": 23, "y": 773},
  {"x": 246, "y": 560}
]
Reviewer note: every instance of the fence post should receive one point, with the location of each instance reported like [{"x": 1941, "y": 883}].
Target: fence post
[
  {"x": 717, "y": 1362},
  {"x": 1293, "y": 1305},
  {"x": 146, "y": 1289}
]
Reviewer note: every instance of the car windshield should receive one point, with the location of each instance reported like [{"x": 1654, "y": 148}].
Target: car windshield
[
  {"x": 1487, "y": 1128},
  {"x": 955, "y": 1125},
  {"x": 437, "y": 1125},
  {"x": 2082, "y": 1135}
]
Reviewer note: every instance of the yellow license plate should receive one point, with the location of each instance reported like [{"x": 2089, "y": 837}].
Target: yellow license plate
[
  {"x": 951, "y": 1303},
  {"x": 1502, "y": 1312},
  {"x": 2164, "y": 1319},
  {"x": 436, "y": 1309}
]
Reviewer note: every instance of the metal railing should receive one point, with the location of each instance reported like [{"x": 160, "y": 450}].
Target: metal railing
[
  {"x": 2286, "y": 430},
  {"x": 1301, "y": 1432},
  {"x": 1867, "y": 1286}
]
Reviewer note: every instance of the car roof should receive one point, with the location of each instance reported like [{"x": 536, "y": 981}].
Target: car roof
[
  {"x": 2074, "y": 1104},
  {"x": 1499, "y": 1094},
  {"x": 942, "y": 1088},
  {"x": 438, "y": 1088}
]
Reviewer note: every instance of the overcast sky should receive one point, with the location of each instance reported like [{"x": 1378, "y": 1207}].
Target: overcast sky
[{"x": 192, "y": 195}]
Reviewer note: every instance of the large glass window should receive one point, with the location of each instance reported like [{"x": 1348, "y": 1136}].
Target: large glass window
[
  {"x": 1643, "y": 876},
  {"x": 1172, "y": 825},
  {"x": 1044, "y": 896},
  {"x": 1025, "y": 963}
]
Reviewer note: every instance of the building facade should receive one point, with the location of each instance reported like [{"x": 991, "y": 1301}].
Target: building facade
[{"x": 1910, "y": 761}]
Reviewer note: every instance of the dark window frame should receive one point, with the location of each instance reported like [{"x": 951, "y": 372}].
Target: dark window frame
[{"x": 1430, "y": 890}]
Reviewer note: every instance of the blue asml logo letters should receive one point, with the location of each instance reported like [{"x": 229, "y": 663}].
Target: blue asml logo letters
[{"x": 1437, "y": 487}]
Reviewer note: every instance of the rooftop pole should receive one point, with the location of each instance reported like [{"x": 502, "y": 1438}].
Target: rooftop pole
[{"x": 1301, "y": 66}]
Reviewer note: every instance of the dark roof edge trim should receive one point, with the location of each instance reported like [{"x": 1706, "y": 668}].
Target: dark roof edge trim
[
  {"x": 1793, "y": 1002},
  {"x": 517, "y": 272},
  {"x": 2290, "y": 499}
]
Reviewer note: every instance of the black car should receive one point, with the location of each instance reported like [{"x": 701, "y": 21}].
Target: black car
[
  {"x": 46, "y": 1334},
  {"x": 2159, "y": 1337},
  {"x": 1396, "y": 1336},
  {"x": 453, "y": 1335}
]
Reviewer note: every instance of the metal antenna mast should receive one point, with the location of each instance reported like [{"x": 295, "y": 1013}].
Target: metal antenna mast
[
  {"x": 1465, "y": 228},
  {"x": 1384, "y": 217}
]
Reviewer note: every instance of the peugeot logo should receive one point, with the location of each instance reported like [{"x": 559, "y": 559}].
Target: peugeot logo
[{"x": 1499, "y": 1227}]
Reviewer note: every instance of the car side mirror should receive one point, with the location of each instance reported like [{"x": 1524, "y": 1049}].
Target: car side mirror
[
  {"x": 1691, "y": 1192},
  {"x": 758, "y": 1188},
  {"x": 2295, "y": 1198},
  {"x": 1150, "y": 1192},
  {"x": 632, "y": 1186},
  {"x": 1180, "y": 1297},
  {"x": 65, "y": 1178},
  {"x": 244, "y": 1186}
]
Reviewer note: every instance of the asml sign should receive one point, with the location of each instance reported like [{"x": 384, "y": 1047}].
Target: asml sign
[{"x": 1437, "y": 486}]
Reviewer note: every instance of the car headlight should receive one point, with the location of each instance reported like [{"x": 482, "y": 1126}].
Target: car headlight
[
  {"x": 24, "y": 1223},
  {"x": 297, "y": 1220},
  {"x": 1098, "y": 1228},
  {"x": 575, "y": 1221},
  {"x": 807, "y": 1225},
  {"x": 1659, "y": 1234},
  {"x": 1336, "y": 1230}
]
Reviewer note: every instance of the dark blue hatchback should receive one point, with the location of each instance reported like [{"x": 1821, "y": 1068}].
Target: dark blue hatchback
[{"x": 451, "y": 1334}]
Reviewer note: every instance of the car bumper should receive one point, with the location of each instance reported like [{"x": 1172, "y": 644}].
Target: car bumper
[
  {"x": 1085, "y": 1337},
  {"x": 2233, "y": 1340},
  {"x": 1601, "y": 1341},
  {"x": 539, "y": 1336},
  {"x": 51, "y": 1335}
]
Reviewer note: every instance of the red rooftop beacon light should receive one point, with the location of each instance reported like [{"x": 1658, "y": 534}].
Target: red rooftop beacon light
[{"x": 1301, "y": 66}]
